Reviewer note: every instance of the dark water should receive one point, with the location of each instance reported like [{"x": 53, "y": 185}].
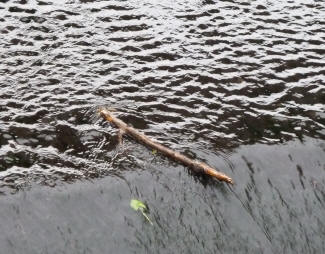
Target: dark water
[{"x": 237, "y": 84}]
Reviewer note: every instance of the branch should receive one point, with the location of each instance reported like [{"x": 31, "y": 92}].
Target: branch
[{"x": 195, "y": 165}]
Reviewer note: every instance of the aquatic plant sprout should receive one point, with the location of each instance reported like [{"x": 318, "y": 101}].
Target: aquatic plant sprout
[{"x": 137, "y": 205}]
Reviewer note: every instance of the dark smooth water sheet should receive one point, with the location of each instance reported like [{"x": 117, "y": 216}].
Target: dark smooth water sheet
[{"x": 237, "y": 84}]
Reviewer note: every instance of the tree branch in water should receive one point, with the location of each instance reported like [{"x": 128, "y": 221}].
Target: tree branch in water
[{"x": 197, "y": 166}]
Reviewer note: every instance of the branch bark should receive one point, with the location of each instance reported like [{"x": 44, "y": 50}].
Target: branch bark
[{"x": 197, "y": 166}]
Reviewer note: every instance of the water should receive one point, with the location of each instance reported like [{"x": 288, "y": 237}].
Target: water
[{"x": 237, "y": 84}]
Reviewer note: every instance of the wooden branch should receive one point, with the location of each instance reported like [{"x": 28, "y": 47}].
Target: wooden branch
[{"x": 195, "y": 165}]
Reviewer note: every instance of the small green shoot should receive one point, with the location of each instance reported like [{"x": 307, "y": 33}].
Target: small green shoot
[
  {"x": 154, "y": 152},
  {"x": 138, "y": 205}
]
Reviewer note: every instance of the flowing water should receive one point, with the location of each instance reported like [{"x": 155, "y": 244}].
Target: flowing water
[{"x": 239, "y": 85}]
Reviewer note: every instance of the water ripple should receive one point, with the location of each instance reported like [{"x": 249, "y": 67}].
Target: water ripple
[{"x": 231, "y": 73}]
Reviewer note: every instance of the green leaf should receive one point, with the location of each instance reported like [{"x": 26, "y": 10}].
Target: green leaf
[
  {"x": 138, "y": 205},
  {"x": 154, "y": 152}
]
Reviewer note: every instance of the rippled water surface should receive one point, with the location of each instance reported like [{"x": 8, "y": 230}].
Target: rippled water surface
[{"x": 237, "y": 84}]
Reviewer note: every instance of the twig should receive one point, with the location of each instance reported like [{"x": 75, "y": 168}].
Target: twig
[{"x": 197, "y": 166}]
